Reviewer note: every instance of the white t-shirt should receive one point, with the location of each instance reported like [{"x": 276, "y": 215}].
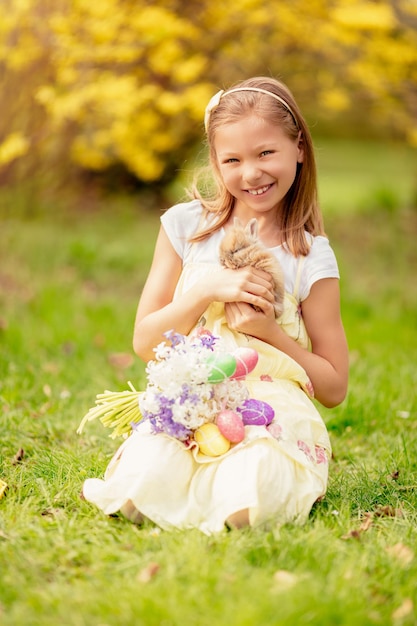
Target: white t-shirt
[{"x": 183, "y": 220}]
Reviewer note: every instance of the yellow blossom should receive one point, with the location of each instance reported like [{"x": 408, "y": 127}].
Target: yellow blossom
[{"x": 14, "y": 146}]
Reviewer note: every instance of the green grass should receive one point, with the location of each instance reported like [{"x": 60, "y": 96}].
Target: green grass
[
  {"x": 365, "y": 176},
  {"x": 68, "y": 293}
]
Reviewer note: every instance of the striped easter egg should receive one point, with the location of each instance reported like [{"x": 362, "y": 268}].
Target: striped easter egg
[
  {"x": 210, "y": 440},
  {"x": 222, "y": 367},
  {"x": 246, "y": 360},
  {"x": 256, "y": 412}
]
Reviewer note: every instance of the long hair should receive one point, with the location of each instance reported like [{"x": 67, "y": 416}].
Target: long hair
[{"x": 300, "y": 211}]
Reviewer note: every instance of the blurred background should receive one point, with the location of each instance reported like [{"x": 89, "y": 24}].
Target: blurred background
[
  {"x": 101, "y": 98},
  {"x": 101, "y": 124}
]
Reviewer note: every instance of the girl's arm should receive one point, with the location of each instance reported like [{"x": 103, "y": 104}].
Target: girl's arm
[
  {"x": 327, "y": 364},
  {"x": 157, "y": 311}
]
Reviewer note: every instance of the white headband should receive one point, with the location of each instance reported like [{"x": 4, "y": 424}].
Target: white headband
[{"x": 215, "y": 101}]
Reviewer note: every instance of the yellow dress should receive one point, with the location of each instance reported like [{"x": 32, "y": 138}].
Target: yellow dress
[{"x": 277, "y": 472}]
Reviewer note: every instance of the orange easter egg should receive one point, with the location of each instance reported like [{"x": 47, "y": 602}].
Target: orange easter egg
[
  {"x": 231, "y": 426},
  {"x": 210, "y": 440}
]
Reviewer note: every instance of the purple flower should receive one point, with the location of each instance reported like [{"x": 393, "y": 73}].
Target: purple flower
[
  {"x": 175, "y": 338},
  {"x": 208, "y": 341},
  {"x": 187, "y": 394},
  {"x": 162, "y": 421}
]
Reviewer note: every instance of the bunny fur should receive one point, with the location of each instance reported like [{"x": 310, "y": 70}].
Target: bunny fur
[{"x": 241, "y": 247}]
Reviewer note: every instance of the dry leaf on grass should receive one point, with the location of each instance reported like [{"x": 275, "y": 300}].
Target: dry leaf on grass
[
  {"x": 18, "y": 456},
  {"x": 284, "y": 580},
  {"x": 405, "y": 609},
  {"x": 148, "y": 572},
  {"x": 52, "y": 513},
  {"x": 394, "y": 475},
  {"x": 403, "y": 553},
  {"x": 3, "y": 488},
  {"x": 366, "y": 524},
  {"x": 388, "y": 511},
  {"x": 368, "y": 520},
  {"x": 121, "y": 360}
]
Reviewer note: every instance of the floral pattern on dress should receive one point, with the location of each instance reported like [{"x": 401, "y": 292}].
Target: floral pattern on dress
[
  {"x": 306, "y": 449},
  {"x": 321, "y": 455},
  {"x": 275, "y": 430},
  {"x": 310, "y": 389}
]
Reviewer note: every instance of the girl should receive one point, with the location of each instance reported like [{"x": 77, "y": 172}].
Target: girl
[{"x": 262, "y": 158}]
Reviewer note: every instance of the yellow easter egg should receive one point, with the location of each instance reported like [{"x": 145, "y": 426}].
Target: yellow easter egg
[{"x": 210, "y": 440}]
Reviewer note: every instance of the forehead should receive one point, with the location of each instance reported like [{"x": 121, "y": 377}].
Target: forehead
[{"x": 249, "y": 129}]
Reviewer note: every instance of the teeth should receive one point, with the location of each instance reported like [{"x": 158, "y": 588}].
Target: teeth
[{"x": 257, "y": 192}]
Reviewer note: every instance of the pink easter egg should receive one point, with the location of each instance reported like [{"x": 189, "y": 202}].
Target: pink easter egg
[
  {"x": 231, "y": 426},
  {"x": 222, "y": 367},
  {"x": 246, "y": 360},
  {"x": 256, "y": 412}
]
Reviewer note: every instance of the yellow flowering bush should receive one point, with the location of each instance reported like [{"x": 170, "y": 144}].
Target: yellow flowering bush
[{"x": 125, "y": 82}]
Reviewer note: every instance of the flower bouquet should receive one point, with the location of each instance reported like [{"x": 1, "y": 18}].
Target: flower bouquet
[{"x": 195, "y": 393}]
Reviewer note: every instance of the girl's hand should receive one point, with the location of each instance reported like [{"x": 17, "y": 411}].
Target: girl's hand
[
  {"x": 247, "y": 285},
  {"x": 244, "y": 318}
]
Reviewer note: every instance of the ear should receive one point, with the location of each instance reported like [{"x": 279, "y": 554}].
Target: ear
[
  {"x": 300, "y": 147},
  {"x": 237, "y": 222},
  {"x": 252, "y": 227}
]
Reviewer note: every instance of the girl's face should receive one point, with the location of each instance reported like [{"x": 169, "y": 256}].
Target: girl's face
[{"x": 257, "y": 162}]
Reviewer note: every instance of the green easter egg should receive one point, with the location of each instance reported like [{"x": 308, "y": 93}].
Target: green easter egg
[{"x": 222, "y": 366}]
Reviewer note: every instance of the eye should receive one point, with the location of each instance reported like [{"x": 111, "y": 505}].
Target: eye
[
  {"x": 266, "y": 152},
  {"x": 231, "y": 160}
]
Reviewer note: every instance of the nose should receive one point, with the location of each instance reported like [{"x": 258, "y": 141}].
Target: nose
[{"x": 251, "y": 173}]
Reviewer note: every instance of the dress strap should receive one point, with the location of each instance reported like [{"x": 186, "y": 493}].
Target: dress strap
[{"x": 300, "y": 266}]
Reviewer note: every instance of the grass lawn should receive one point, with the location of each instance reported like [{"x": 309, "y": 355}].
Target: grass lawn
[
  {"x": 365, "y": 176},
  {"x": 69, "y": 286}
]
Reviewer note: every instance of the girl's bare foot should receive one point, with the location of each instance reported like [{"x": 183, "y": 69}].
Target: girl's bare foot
[
  {"x": 131, "y": 513},
  {"x": 240, "y": 519}
]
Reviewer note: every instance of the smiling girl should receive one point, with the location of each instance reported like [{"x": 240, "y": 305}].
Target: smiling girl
[{"x": 263, "y": 164}]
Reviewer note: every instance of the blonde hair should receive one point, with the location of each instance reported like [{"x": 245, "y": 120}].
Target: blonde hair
[{"x": 300, "y": 210}]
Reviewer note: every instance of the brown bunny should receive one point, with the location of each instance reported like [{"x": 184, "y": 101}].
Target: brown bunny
[{"x": 241, "y": 247}]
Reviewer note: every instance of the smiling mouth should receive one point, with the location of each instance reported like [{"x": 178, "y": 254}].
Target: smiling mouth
[{"x": 260, "y": 191}]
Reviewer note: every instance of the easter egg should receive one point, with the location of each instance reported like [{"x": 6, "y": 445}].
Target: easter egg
[
  {"x": 256, "y": 412},
  {"x": 231, "y": 426},
  {"x": 246, "y": 360},
  {"x": 222, "y": 367},
  {"x": 210, "y": 440}
]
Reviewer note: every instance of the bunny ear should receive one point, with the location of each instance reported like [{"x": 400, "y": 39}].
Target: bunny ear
[
  {"x": 252, "y": 227},
  {"x": 237, "y": 222}
]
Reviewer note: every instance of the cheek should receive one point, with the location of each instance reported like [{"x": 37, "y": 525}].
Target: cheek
[
  {"x": 228, "y": 176},
  {"x": 284, "y": 173},
  {"x": 289, "y": 168}
]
